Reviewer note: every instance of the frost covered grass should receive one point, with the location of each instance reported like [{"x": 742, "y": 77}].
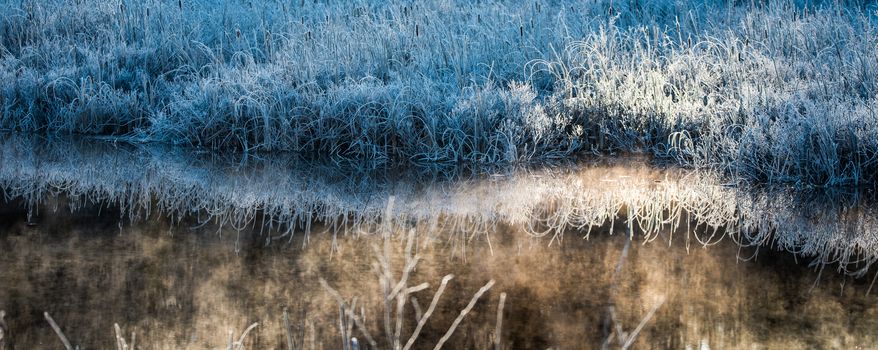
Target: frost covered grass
[
  {"x": 778, "y": 92},
  {"x": 281, "y": 198}
]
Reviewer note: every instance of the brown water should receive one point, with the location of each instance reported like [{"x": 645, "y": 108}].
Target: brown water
[{"x": 164, "y": 245}]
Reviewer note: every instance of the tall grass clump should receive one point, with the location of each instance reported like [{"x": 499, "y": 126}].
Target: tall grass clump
[
  {"x": 780, "y": 92},
  {"x": 420, "y": 81},
  {"x": 768, "y": 91}
]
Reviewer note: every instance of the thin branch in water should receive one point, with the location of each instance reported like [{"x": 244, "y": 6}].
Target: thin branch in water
[
  {"x": 417, "y": 307},
  {"x": 643, "y": 322},
  {"x": 423, "y": 320},
  {"x": 240, "y": 342},
  {"x": 3, "y": 328},
  {"x": 288, "y": 330},
  {"x": 350, "y": 324},
  {"x": 463, "y": 314},
  {"x": 58, "y": 331},
  {"x": 121, "y": 344},
  {"x": 357, "y": 321},
  {"x": 872, "y": 284},
  {"x": 341, "y": 328},
  {"x": 498, "y": 331}
]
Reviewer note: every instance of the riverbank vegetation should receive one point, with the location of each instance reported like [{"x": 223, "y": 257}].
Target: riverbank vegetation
[{"x": 777, "y": 92}]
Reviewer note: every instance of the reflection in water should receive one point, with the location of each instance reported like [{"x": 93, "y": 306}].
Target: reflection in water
[
  {"x": 176, "y": 288},
  {"x": 180, "y": 248},
  {"x": 279, "y": 195}
]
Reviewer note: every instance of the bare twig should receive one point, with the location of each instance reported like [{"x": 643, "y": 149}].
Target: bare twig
[
  {"x": 121, "y": 344},
  {"x": 463, "y": 314},
  {"x": 240, "y": 342},
  {"x": 499, "y": 329},
  {"x": 429, "y": 312},
  {"x": 345, "y": 341},
  {"x": 643, "y": 322},
  {"x": 417, "y": 307},
  {"x": 350, "y": 325},
  {"x": 351, "y": 314},
  {"x": 288, "y": 329},
  {"x": 58, "y": 331},
  {"x": 3, "y": 329}
]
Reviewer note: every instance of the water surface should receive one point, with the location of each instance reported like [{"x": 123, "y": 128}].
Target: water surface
[{"x": 185, "y": 249}]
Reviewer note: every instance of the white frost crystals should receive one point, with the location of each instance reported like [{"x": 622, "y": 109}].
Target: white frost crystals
[
  {"x": 771, "y": 92},
  {"x": 627, "y": 196}
]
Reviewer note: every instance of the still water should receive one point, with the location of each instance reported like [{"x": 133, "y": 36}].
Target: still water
[{"x": 183, "y": 249}]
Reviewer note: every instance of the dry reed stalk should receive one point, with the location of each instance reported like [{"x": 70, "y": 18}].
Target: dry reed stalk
[
  {"x": 463, "y": 314},
  {"x": 57, "y": 330},
  {"x": 633, "y": 336},
  {"x": 288, "y": 330},
  {"x": 3, "y": 330},
  {"x": 498, "y": 330},
  {"x": 423, "y": 320},
  {"x": 121, "y": 344},
  {"x": 359, "y": 323},
  {"x": 239, "y": 344}
]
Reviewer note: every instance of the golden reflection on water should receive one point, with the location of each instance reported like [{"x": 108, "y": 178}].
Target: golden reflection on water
[
  {"x": 661, "y": 266},
  {"x": 289, "y": 192},
  {"x": 176, "y": 287}
]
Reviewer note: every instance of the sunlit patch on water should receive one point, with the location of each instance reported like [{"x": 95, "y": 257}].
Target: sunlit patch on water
[{"x": 190, "y": 250}]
